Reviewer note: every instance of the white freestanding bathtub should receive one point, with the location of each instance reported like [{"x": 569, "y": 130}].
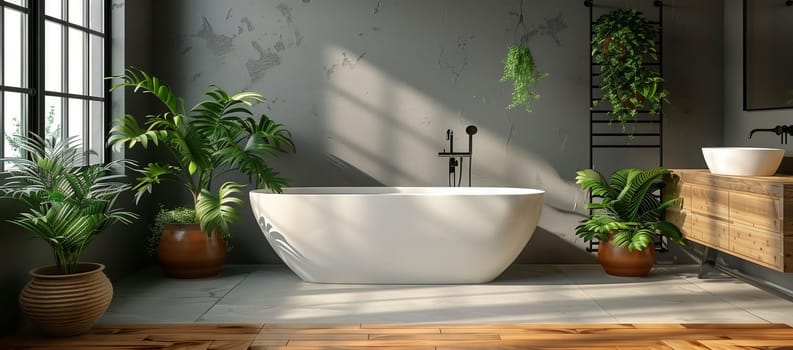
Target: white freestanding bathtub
[{"x": 398, "y": 235}]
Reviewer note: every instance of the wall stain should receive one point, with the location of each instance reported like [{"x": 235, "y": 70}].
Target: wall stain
[
  {"x": 297, "y": 36},
  {"x": 550, "y": 29},
  {"x": 195, "y": 77},
  {"x": 228, "y": 14},
  {"x": 248, "y": 24},
  {"x": 306, "y": 1},
  {"x": 349, "y": 63},
  {"x": 279, "y": 46},
  {"x": 218, "y": 44},
  {"x": 267, "y": 59},
  {"x": 511, "y": 132},
  {"x": 376, "y": 29},
  {"x": 186, "y": 50},
  {"x": 376, "y": 8},
  {"x": 346, "y": 62},
  {"x": 273, "y": 101},
  {"x": 329, "y": 71},
  {"x": 315, "y": 110},
  {"x": 455, "y": 62}
]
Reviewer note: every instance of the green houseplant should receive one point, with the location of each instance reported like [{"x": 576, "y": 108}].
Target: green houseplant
[
  {"x": 520, "y": 68},
  {"x": 627, "y": 217},
  {"x": 66, "y": 204},
  {"x": 217, "y": 136},
  {"x": 623, "y": 42}
]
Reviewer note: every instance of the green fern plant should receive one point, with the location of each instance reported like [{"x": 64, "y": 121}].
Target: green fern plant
[
  {"x": 66, "y": 203},
  {"x": 218, "y": 135},
  {"x": 520, "y": 68},
  {"x": 628, "y": 209},
  {"x": 180, "y": 215},
  {"x": 623, "y": 41}
]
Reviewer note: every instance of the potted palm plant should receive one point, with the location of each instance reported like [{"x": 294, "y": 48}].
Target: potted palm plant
[
  {"x": 623, "y": 43},
  {"x": 627, "y": 218},
  {"x": 66, "y": 204},
  {"x": 217, "y": 136}
]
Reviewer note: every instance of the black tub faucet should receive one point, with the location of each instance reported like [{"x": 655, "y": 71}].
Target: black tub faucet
[{"x": 456, "y": 158}]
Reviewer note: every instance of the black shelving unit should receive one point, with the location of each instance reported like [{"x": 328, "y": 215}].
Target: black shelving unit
[{"x": 643, "y": 134}]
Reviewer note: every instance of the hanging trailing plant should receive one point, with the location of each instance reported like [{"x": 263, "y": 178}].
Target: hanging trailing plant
[
  {"x": 520, "y": 68},
  {"x": 623, "y": 42}
]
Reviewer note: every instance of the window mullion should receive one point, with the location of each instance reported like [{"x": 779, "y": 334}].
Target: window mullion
[
  {"x": 2, "y": 82},
  {"x": 36, "y": 67},
  {"x": 65, "y": 71}
]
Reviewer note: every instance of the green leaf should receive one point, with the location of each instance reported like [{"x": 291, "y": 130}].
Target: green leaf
[{"x": 216, "y": 211}]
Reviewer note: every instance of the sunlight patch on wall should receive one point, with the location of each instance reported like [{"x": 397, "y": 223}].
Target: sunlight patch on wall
[{"x": 380, "y": 124}]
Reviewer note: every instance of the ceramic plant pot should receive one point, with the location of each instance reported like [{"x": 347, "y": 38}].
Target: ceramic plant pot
[
  {"x": 618, "y": 261},
  {"x": 187, "y": 252},
  {"x": 66, "y": 304}
]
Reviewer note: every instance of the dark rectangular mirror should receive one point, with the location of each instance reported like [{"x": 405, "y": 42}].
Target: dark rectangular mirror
[{"x": 767, "y": 54}]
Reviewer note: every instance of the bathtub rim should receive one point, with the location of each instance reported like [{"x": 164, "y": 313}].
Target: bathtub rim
[{"x": 331, "y": 191}]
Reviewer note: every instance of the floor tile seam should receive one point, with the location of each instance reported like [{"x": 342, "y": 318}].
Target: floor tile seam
[
  {"x": 727, "y": 301},
  {"x": 583, "y": 291},
  {"x": 247, "y": 274}
]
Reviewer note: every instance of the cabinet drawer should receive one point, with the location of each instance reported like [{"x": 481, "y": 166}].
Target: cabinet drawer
[
  {"x": 709, "y": 201},
  {"x": 679, "y": 218},
  {"x": 756, "y": 211},
  {"x": 712, "y": 232},
  {"x": 761, "y": 247}
]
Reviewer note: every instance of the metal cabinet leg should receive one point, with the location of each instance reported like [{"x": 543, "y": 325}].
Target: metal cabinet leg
[{"x": 708, "y": 261}]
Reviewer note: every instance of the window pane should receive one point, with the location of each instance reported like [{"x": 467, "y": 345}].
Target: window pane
[
  {"x": 53, "y": 111},
  {"x": 76, "y": 61},
  {"x": 96, "y": 72},
  {"x": 53, "y": 56},
  {"x": 96, "y": 132},
  {"x": 77, "y": 12},
  {"x": 76, "y": 113},
  {"x": 13, "y": 48},
  {"x": 18, "y": 2},
  {"x": 53, "y": 8},
  {"x": 14, "y": 117},
  {"x": 97, "y": 15}
]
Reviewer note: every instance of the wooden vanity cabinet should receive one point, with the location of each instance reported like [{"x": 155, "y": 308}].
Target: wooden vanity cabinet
[{"x": 750, "y": 217}]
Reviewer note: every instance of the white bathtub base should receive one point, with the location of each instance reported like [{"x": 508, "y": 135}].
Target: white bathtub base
[{"x": 398, "y": 235}]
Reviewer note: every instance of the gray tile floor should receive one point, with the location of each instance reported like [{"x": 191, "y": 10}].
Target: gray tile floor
[{"x": 524, "y": 293}]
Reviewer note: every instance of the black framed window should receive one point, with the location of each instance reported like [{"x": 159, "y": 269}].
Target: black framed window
[{"x": 52, "y": 71}]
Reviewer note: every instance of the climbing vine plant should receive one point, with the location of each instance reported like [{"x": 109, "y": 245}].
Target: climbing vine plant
[
  {"x": 520, "y": 68},
  {"x": 623, "y": 41}
]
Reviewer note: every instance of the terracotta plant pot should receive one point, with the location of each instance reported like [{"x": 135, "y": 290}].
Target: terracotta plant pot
[
  {"x": 66, "y": 304},
  {"x": 618, "y": 261},
  {"x": 187, "y": 252}
]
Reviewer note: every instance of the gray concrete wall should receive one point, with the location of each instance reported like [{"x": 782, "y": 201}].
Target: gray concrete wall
[{"x": 369, "y": 88}]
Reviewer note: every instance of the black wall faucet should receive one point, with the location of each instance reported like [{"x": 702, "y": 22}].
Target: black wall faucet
[
  {"x": 782, "y": 130},
  {"x": 456, "y": 158}
]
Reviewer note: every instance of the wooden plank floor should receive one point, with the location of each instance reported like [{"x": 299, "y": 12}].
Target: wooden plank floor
[{"x": 417, "y": 336}]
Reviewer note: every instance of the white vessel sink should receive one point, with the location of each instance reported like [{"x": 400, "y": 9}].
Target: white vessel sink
[{"x": 743, "y": 161}]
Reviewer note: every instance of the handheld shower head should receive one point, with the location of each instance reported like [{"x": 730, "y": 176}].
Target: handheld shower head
[{"x": 470, "y": 130}]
